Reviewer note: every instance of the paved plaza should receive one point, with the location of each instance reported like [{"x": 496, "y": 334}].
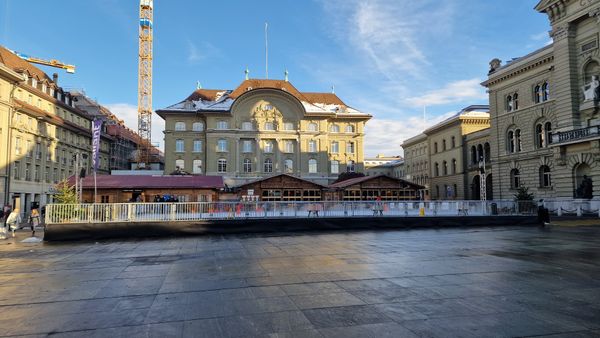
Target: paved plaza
[{"x": 478, "y": 282}]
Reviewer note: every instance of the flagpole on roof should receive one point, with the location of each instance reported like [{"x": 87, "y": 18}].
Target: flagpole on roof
[{"x": 266, "y": 50}]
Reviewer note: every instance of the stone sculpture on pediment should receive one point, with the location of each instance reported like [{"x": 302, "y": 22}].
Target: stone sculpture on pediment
[{"x": 266, "y": 112}]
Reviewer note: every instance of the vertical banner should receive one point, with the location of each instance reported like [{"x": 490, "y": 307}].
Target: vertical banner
[{"x": 96, "y": 128}]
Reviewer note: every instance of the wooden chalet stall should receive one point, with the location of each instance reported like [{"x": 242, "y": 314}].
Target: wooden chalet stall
[
  {"x": 146, "y": 188},
  {"x": 368, "y": 188},
  {"x": 281, "y": 187}
]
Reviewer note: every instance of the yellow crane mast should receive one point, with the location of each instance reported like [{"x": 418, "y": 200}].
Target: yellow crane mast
[{"x": 145, "y": 83}]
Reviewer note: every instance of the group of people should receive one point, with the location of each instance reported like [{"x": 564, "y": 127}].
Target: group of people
[{"x": 11, "y": 219}]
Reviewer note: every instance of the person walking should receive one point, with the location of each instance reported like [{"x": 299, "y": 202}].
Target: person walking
[
  {"x": 13, "y": 220},
  {"x": 34, "y": 219}
]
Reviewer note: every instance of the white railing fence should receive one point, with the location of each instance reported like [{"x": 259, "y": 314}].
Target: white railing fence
[{"x": 160, "y": 212}]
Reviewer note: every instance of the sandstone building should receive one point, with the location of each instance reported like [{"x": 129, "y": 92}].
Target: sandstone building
[
  {"x": 263, "y": 128},
  {"x": 544, "y": 109}
]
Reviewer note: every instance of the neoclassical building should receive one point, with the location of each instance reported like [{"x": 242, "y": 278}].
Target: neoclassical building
[
  {"x": 262, "y": 128},
  {"x": 544, "y": 109}
]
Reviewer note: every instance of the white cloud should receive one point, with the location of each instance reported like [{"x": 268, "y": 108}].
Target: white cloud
[
  {"x": 128, "y": 113},
  {"x": 454, "y": 92},
  {"x": 384, "y": 136},
  {"x": 388, "y": 33}
]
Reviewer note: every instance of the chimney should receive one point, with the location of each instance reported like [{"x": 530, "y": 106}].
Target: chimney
[{"x": 55, "y": 78}]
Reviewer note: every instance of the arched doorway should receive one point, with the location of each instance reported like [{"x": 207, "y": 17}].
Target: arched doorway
[
  {"x": 583, "y": 182},
  {"x": 488, "y": 187},
  {"x": 476, "y": 188}
]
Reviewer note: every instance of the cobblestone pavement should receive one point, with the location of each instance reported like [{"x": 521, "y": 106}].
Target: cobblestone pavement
[{"x": 484, "y": 282}]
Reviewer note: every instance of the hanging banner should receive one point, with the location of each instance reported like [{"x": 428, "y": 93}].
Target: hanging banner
[{"x": 96, "y": 128}]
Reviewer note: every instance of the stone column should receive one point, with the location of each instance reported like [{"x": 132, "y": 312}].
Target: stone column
[{"x": 566, "y": 89}]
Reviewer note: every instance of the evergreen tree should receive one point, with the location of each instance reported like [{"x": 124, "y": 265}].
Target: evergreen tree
[{"x": 66, "y": 194}]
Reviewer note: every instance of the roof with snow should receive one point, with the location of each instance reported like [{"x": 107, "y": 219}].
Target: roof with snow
[{"x": 221, "y": 101}]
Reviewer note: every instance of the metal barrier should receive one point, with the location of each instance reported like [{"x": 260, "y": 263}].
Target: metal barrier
[{"x": 161, "y": 212}]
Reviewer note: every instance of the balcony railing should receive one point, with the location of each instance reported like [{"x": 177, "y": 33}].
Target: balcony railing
[{"x": 575, "y": 135}]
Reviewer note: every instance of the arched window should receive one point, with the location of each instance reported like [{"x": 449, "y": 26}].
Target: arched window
[
  {"x": 540, "y": 138},
  {"x": 548, "y": 132},
  {"x": 198, "y": 126},
  {"x": 510, "y": 141},
  {"x": 515, "y": 101},
  {"x": 537, "y": 94},
  {"x": 509, "y": 103},
  {"x": 313, "y": 127},
  {"x": 247, "y": 165},
  {"x": 487, "y": 152},
  {"x": 335, "y": 167},
  {"x": 436, "y": 170},
  {"x": 453, "y": 142},
  {"x": 518, "y": 144},
  {"x": 545, "y": 92},
  {"x": 545, "y": 178},
  {"x": 334, "y": 128},
  {"x": 289, "y": 166},
  {"x": 349, "y": 129},
  {"x": 443, "y": 144},
  {"x": 312, "y": 166},
  {"x": 435, "y": 148},
  {"x": 268, "y": 146},
  {"x": 222, "y": 165},
  {"x": 445, "y": 168},
  {"x": 453, "y": 166},
  {"x": 268, "y": 165},
  {"x": 180, "y": 126},
  {"x": 473, "y": 155},
  {"x": 515, "y": 178},
  {"x": 179, "y": 146},
  {"x": 222, "y": 145},
  {"x": 479, "y": 153}
]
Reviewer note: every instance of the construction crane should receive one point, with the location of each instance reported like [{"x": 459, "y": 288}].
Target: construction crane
[
  {"x": 52, "y": 63},
  {"x": 145, "y": 83}
]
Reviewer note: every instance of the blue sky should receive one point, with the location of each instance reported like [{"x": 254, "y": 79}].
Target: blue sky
[{"x": 389, "y": 58}]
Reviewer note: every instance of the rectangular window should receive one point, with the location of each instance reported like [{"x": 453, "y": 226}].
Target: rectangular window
[
  {"x": 17, "y": 170},
  {"x": 197, "y": 146},
  {"x": 47, "y": 174},
  {"x": 247, "y": 146},
  {"x": 350, "y": 147},
  {"x": 28, "y": 150},
  {"x": 222, "y": 145},
  {"x": 18, "y": 150},
  {"x": 179, "y": 146},
  {"x": 222, "y": 165},
  {"x": 335, "y": 147},
  {"x": 36, "y": 175},
  {"x": 27, "y": 172},
  {"x": 179, "y": 164},
  {"x": 197, "y": 169},
  {"x": 335, "y": 167},
  {"x": 289, "y": 146},
  {"x": 312, "y": 146},
  {"x": 222, "y": 125},
  {"x": 288, "y": 126}
]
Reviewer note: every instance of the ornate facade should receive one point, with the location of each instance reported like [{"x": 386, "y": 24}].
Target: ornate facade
[
  {"x": 545, "y": 109},
  {"x": 262, "y": 128}
]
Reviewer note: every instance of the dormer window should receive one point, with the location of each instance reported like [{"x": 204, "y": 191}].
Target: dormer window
[{"x": 33, "y": 82}]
